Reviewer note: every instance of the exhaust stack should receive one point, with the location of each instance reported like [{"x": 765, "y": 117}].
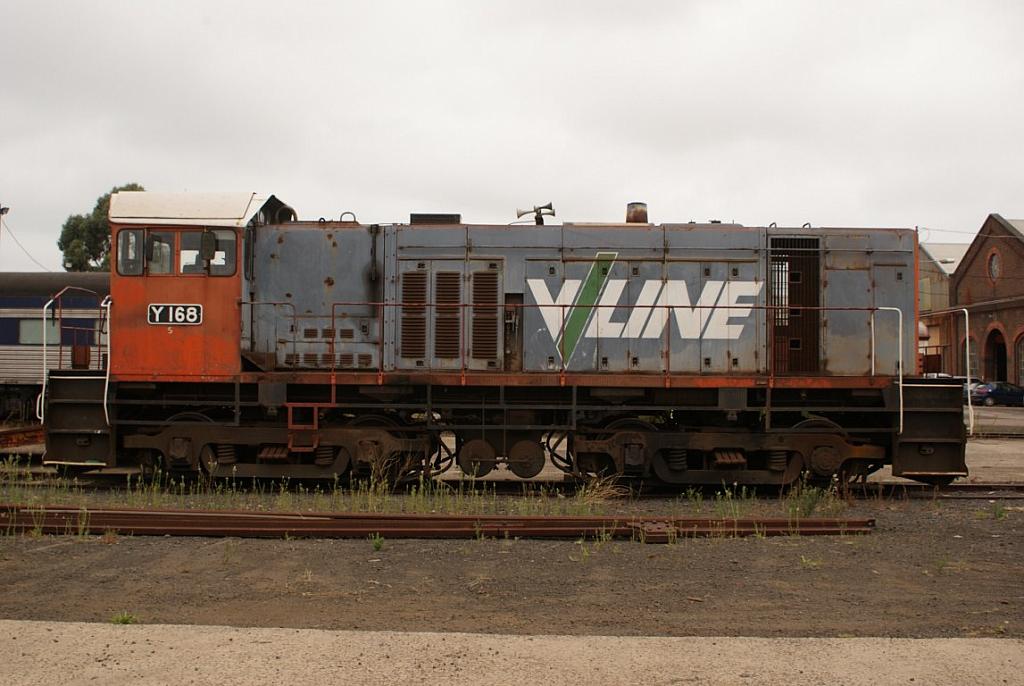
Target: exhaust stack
[{"x": 636, "y": 213}]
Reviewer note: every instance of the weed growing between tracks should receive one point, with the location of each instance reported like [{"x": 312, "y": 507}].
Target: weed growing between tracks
[{"x": 376, "y": 494}]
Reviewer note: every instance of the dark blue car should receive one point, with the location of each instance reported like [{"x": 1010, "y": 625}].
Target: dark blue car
[{"x": 997, "y": 393}]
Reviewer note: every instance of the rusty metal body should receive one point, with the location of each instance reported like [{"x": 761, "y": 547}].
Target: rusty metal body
[{"x": 689, "y": 353}]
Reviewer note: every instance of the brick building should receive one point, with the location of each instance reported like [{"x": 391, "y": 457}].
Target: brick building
[{"x": 989, "y": 283}]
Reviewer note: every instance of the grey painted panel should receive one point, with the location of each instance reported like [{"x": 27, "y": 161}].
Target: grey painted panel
[
  {"x": 543, "y": 316},
  {"x": 846, "y": 343},
  {"x": 645, "y": 285},
  {"x": 889, "y": 281},
  {"x": 684, "y": 346},
  {"x": 303, "y": 282},
  {"x": 607, "y": 323},
  {"x": 537, "y": 238},
  {"x": 582, "y": 242},
  {"x": 435, "y": 238}
]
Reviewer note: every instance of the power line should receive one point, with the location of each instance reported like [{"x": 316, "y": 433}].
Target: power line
[{"x": 4, "y": 224}]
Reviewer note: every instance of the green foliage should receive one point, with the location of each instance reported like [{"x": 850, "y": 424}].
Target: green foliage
[
  {"x": 124, "y": 617},
  {"x": 85, "y": 238}
]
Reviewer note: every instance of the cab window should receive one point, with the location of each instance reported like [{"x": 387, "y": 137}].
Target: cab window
[
  {"x": 190, "y": 259},
  {"x": 161, "y": 257},
  {"x": 129, "y": 252}
]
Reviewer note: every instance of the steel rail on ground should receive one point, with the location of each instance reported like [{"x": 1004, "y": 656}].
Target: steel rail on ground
[{"x": 22, "y": 519}]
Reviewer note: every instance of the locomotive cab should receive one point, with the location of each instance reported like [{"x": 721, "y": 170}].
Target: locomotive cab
[{"x": 176, "y": 283}]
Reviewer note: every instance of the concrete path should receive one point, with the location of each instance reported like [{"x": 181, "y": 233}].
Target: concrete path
[{"x": 76, "y": 653}]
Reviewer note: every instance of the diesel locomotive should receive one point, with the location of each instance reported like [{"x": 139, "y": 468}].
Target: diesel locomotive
[{"x": 241, "y": 341}]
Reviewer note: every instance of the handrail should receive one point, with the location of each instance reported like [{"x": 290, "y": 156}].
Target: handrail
[
  {"x": 899, "y": 362},
  {"x": 967, "y": 366},
  {"x": 666, "y": 354},
  {"x": 41, "y": 398},
  {"x": 106, "y": 304}
]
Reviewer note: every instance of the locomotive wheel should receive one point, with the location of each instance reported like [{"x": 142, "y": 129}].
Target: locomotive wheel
[
  {"x": 476, "y": 458},
  {"x": 388, "y": 469},
  {"x": 526, "y": 459}
]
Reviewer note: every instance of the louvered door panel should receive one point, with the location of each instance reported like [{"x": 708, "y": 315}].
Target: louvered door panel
[
  {"x": 447, "y": 322},
  {"x": 414, "y": 321},
  {"x": 485, "y": 317}
]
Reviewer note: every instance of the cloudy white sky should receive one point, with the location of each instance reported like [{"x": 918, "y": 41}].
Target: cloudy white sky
[{"x": 837, "y": 113}]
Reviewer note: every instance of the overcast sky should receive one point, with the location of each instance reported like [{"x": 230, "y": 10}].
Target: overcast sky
[{"x": 837, "y": 113}]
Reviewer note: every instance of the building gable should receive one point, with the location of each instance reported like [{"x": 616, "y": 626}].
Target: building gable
[{"x": 972, "y": 281}]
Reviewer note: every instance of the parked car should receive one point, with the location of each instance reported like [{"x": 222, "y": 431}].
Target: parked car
[
  {"x": 969, "y": 383},
  {"x": 997, "y": 393}
]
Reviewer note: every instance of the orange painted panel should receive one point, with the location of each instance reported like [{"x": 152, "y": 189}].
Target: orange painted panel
[{"x": 209, "y": 349}]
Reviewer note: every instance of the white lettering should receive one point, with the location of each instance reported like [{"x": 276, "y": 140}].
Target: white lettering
[
  {"x": 156, "y": 310},
  {"x": 553, "y": 311},
  {"x": 642, "y": 309},
  {"x": 601, "y": 324},
  {"x": 718, "y": 326},
  {"x": 689, "y": 320}
]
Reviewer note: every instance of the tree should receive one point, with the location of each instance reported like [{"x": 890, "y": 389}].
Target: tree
[{"x": 85, "y": 238}]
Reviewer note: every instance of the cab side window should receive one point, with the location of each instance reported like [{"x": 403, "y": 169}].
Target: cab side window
[
  {"x": 161, "y": 258},
  {"x": 129, "y": 252},
  {"x": 190, "y": 259},
  {"x": 223, "y": 263}
]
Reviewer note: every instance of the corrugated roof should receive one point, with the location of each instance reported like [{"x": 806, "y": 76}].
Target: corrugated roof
[
  {"x": 206, "y": 209},
  {"x": 946, "y": 255}
]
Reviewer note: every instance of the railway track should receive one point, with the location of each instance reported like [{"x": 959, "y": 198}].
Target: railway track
[
  {"x": 42, "y": 477},
  {"x": 21, "y": 519}
]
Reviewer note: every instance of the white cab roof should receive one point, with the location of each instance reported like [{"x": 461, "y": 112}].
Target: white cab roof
[{"x": 206, "y": 209}]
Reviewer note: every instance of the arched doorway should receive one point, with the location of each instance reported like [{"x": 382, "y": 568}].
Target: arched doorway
[{"x": 995, "y": 357}]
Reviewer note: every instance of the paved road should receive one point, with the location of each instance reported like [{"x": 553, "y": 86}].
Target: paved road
[{"x": 1003, "y": 420}]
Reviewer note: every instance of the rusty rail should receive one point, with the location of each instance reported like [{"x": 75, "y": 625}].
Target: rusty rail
[
  {"x": 21, "y": 436},
  {"x": 16, "y": 519}
]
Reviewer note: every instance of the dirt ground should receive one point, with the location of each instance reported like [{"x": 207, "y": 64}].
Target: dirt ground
[
  {"x": 46, "y": 653},
  {"x": 932, "y": 569}
]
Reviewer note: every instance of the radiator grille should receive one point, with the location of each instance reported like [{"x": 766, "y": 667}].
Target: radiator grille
[
  {"x": 414, "y": 321},
  {"x": 485, "y": 316},
  {"x": 447, "y": 297},
  {"x": 346, "y": 360},
  {"x": 795, "y": 284}
]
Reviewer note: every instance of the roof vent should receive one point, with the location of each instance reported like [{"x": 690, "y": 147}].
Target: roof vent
[{"x": 428, "y": 218}]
